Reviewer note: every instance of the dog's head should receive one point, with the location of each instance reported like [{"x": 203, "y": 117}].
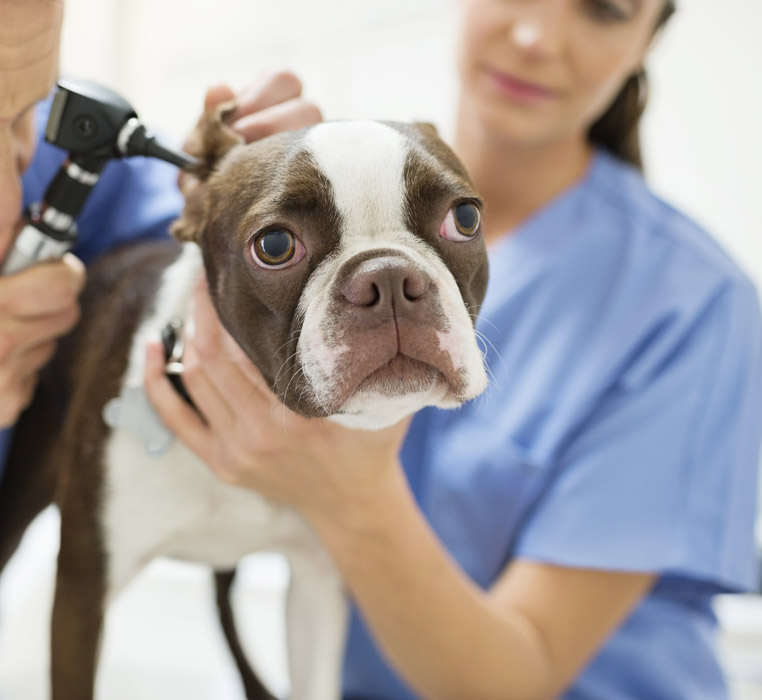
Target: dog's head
[{"x": 347, "y": 260}]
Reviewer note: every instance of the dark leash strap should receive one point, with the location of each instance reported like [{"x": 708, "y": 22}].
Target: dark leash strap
[{"x": 172, "y": 340}]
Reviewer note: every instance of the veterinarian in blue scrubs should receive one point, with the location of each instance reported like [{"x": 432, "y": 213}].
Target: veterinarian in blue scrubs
[{"x": 564, "y": 535}]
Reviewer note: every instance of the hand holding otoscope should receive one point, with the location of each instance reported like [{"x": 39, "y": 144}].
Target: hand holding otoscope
[
  {"x": 94, "y": 124},
  {"x": 38, "y": 306}
]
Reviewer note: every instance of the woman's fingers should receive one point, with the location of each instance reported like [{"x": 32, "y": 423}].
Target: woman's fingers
[
  {"x": 206, "y": 393},
  {"x": 217, "y": 94},
  {"x": 18, "y": 336},
  {"x": 180, "y": 418},
  {"x": 271, "y": 89},
  {"x": 246, "y": 366},
  {"x": 231, "y": 374},
  {"x": 286, "y": 116}
]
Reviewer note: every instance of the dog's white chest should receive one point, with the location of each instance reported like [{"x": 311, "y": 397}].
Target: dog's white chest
[{"x": 174, "y": 506}]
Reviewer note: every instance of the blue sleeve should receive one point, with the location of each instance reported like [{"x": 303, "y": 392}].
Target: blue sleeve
[{"x": 663, "y": 476}]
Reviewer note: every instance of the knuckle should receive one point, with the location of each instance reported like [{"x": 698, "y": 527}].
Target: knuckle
[
  {"x": 205, "y": 345},
  {"x": 240, "y": 456},
  {"x": 223, "y": 470}
]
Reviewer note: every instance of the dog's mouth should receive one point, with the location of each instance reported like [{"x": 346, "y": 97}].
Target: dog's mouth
[
  {"x": 392, "y": 351},
  {"x": 400, "y": 375},
  {"x": 385, "y": 375}
]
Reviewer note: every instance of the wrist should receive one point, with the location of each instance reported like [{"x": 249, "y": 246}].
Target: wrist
[{"x": 365, "y": 514}]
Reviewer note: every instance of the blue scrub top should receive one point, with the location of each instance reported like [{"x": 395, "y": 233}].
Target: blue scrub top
[
  {"x": 621, "y": 430},
  {"x": 134, "y": 199}
]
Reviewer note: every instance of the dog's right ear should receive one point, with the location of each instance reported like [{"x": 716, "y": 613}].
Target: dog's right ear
[{"x": 210, "y": 141}]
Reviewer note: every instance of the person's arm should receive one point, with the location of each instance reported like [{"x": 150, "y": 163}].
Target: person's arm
[
  {"x": 39, "y": 305},
  {"x": 525, "y": 638}
]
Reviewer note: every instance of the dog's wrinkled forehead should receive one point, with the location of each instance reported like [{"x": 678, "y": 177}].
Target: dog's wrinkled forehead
[
  {"x": 358, "y": 158},
  {"x": 364, "y": 157}
]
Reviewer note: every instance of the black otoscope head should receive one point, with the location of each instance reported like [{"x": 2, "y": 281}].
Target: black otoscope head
[
  {"x": 87, "y": 119},
  {"x": 93, "y": 124}
]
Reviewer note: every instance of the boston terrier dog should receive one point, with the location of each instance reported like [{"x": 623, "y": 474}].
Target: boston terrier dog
[{"x": 347, "y": 261}]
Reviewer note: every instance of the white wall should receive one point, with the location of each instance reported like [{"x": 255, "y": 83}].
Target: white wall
[
  {"x": 393, "y": 59},
  {"x": 703, "y": 135}
]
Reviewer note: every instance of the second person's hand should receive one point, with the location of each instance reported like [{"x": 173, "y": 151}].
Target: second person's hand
[{"x": 37, "y": 306}]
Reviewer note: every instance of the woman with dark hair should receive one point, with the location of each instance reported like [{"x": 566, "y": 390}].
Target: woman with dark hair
[
  {"x": 564, "y": 536},
  {"x": 617, "y": 129}
]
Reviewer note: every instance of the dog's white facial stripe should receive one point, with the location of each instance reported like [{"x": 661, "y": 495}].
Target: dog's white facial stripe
[{"x": 343, "y": 151}]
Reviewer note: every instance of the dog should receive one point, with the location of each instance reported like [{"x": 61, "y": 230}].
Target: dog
[{"x": 347, "y": 261}]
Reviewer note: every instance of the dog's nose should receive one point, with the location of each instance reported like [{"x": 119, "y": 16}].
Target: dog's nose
[{"x": 382, "y": 287}]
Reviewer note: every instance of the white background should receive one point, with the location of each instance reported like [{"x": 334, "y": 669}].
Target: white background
[{"x": 393, "y": 59}]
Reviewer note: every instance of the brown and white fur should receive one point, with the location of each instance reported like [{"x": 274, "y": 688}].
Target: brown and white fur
[{"x": 373, "y": 323}]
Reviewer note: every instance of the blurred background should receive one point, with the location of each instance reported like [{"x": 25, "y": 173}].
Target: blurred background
[{"x": 390, "y": 59}]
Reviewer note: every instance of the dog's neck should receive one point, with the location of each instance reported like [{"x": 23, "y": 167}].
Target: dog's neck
[{"x": 172, "y": 301}]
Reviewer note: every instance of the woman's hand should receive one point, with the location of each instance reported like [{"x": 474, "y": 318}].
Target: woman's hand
[
  {"x": 249, "y": 439},
  {"x": 271, "y": 105}
]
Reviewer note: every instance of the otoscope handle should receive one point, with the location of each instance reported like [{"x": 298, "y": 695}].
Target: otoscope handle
[
  {"x": 32, "y": 246},
  {"x": 49, "y": 229}
]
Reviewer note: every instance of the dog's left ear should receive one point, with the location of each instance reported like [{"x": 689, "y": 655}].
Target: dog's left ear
[{"x": 209, "y": 142}]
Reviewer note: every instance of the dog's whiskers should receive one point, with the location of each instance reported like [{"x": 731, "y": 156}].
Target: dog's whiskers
[{"x": 283, "y": 367}]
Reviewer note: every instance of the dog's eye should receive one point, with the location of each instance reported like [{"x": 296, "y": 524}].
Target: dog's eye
[
  {"x": 461, "y": 223},
  {"x": 275, "y": 248}
]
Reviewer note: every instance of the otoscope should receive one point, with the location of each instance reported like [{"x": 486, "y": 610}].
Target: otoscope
[{"x": 94, "y": 124}]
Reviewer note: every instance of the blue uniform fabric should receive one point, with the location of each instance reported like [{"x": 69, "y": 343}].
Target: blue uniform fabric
[
  {"x": 621, "y": 431},
  {"x": 134, "y": 199}
]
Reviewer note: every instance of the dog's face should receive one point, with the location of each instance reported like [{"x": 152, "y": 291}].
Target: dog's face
[{"x": 347, "y": 260}]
